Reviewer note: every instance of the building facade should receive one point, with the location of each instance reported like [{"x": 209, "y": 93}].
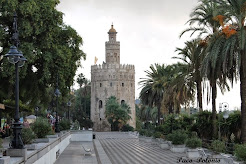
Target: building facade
[{"x": 111, "y": 79}]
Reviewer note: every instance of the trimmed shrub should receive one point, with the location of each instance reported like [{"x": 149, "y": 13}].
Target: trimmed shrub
[
  {"x": 41, "y": 128},
  {"x": 157, "y": 135},
  {"x": 27, "y": 135},
  {"x": 64, "y": 124},
  {"x": 240, "y": 152},
  {"x": 177, "y": 137},
  {"x": 126, "y": 128},
  {"x": 145, "y": 132},
  {"x": 142, "y": 132},
  {"x": 76, "y": 125},
  {"x": 193, "y": 142},
  {"x": 218, "y": 146}
]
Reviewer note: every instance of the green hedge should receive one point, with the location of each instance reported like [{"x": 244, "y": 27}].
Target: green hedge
[
  {"x": 193, "y": 142},
  {"x": 41, "y": 128}
]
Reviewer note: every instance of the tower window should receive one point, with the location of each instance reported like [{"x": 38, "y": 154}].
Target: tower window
[
  {"x": 100, "y": 84},
  {"x": 100, "y": 104},
  {"x": 111, "y": 84},
  {"x": 131, "y": 84},
  {"x": 122, "y": 84},
  {"x": 112, "y": 38},
  {"x": 122, "y": 102}
]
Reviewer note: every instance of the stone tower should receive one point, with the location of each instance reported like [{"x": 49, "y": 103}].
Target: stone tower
[{"x": 111, "y": 79}]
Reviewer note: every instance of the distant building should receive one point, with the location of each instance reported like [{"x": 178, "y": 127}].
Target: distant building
[{"x": 111, "y": 79}]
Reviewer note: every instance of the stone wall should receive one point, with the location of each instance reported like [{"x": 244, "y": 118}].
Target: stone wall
[{"x": 111, "y": 80}]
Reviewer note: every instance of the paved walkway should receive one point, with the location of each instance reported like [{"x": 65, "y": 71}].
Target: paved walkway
[
  {"x": 74, "y": 154},
  {"x": 117, "y": 148},
  {"x": 123, "y": 148}
]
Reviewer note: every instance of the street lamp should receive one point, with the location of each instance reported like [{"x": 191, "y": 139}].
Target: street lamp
[
  {"x": 57, "y": 94},
  {"x": 68, "y": 112},
  {"x": 16, "y": 57},
  {"x": 223, "y": 106}
]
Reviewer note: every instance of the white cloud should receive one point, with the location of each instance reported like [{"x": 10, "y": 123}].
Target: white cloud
[{"x": 148, "y": 31}]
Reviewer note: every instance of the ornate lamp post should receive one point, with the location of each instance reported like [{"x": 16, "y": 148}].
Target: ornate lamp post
[
  {"x": 57, "y": 94},
  {"x": 16, "y": 57}
]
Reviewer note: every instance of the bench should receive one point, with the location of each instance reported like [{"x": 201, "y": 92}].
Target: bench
[{"x": 87, "y": 151}]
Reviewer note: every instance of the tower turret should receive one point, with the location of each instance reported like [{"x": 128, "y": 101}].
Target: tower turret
[{"x": 112, "y": 48}]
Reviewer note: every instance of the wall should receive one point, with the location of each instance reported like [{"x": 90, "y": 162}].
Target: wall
[{"x": 111, "y": 80}]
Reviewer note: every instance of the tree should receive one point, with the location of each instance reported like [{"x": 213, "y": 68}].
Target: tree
[
  {"x": 51, "y": 48},
  {"x": 116, "y": 114},
  {"x": 192, "y": 55},
  {"x": 167, "y": 87},
  {"x": 152, "y": 91},
  {"x": 230, "y": 43},
  {"x": 208, "y": 16},
  {"x": 81, "y": 111}
]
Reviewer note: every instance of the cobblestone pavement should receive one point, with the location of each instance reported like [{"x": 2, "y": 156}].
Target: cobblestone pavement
[{"x": 123, "y": 148}]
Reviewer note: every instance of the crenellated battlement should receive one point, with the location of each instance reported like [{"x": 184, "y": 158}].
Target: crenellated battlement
[{"x": 112, "y": 66}]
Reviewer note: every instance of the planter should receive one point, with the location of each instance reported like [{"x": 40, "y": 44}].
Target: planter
[
  {"x": 148, "y": 139},
  {"x": 41, "y": 140},
  {"x": 5, "y": 160},
  {"x": 52, "y": 136},
  {"x": 31, "y": 146},
  {"x": 154, "y": 141},
  {"x": 193, "y": 153},
  {"x": 178, "y": 148},
  {"x": 165, "y": 145},
  {"x": 1, "y": 152},
  {"x": 141, "y": 138}
]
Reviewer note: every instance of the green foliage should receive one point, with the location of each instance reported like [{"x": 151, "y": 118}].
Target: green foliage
[
  {"x": 115, "y": 113},
  {"x": 165, "y": 128},
  {"x": 82, "y": 99},
  {"x": 139, "y": 124},
  {"x": 126, "y": 128},
  {"x": 27, "y": 135},
  {"x": 145, "y": 132},
  {"x": 231, "y": 125},
  {"x": 218, "y": 146},
  {"x": 64, "y": 124},
  {"x": 87, "y": 123},
  {"x": 41, "y": 127},
  {"x": 177, "y": 137},
  {"x": 203, "y": 125},
  {"x": 76, "y": 125},
  {"x": 240, "y": 152},
  {"x": 50, "y": 46},
  {"x": 193, "y": 142},
  {"x": 1, "y": 143},
  {"x": 157, "y": 135}
]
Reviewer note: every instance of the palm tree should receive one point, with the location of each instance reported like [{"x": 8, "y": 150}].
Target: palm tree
[
  {"x": 166, "y": 86},
  {"x": 192, "y": 55},
  {"x": 182, "y": 86},
  {"x": 152, "y": 91},
  {"x": 208, "y": 16},
  {"x": 230, "y": 43}
]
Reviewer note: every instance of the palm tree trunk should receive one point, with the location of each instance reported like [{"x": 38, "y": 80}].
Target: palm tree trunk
[
  {"x": 214, "y": 95},
  {"x": 243, "y": 96},
  {"x": 159, "y": 113},
  {"x": 199, "y": 94}
]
